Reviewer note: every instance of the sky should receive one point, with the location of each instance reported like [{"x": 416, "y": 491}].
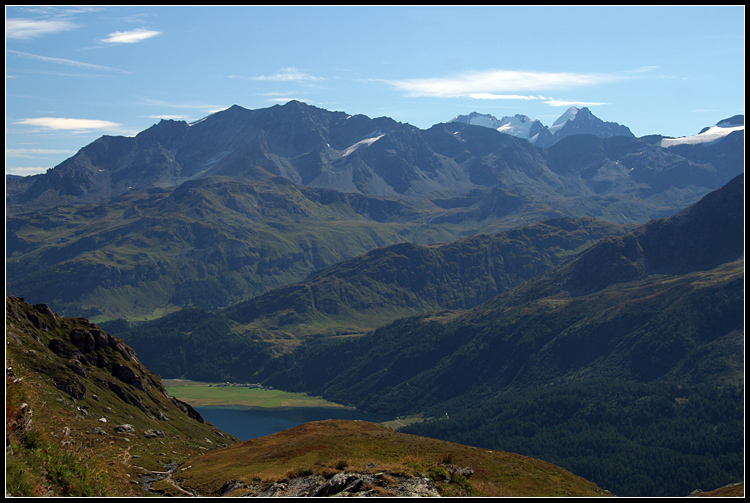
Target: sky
[{"x": 74, "y": 74}]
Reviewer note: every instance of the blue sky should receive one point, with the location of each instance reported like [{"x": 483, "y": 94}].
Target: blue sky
[{"x": 74, "y": 74}]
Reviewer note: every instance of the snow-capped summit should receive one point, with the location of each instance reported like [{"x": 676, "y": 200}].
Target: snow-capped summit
[
  {"x": 477, "y": 119},
  {"x": 569, "y": 115},
  {"x": 574, "y": 121},
  {"x": 519, "y": 125}
]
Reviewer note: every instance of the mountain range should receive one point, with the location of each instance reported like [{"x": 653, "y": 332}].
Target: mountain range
[
  {"x": 141, "y": 221},
  {"x": 574, "y": 121}
]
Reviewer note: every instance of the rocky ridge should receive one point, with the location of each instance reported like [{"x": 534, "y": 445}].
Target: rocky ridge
[{"x": 83, "y": 415}]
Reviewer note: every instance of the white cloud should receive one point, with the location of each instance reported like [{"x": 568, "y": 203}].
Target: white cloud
[
  {"x": 287, "y": 100},
  {"x": 66, "y": 62},
  {"x": 643, "y": 69},
  {"x": 203, "y": 107},
  {"x": 168, "y": 117},
  {"x": 563, "y": 103},
  {"x": 61, "y": 123},
  {"x": 284, "y": 75},
  {"x": 35, "y": 152},
  {"x": 130, "y": 37},
  {"x": 490, "y": 96},
  {"x": 24, "y": 171},
  {"x": 489, "y": 82},
  {"x": 25, "y": 29}
]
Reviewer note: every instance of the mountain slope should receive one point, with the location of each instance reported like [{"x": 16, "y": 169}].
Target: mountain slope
[
  {"x": 655, "y": 313},
  {"x": 637, "y": 284},
  {"x": 209, "y": 243},
  {"x": 352, "y": 297},
  {"x": 402, "y": 279},
  {"x": 83, "y": 416}
]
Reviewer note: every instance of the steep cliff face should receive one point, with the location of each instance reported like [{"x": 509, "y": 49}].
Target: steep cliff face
[{"x": 83, "y": 416}]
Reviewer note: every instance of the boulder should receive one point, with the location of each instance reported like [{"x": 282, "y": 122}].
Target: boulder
[{"x": 124, "y": 373}]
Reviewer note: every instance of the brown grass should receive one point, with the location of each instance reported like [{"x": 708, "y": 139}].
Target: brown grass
[{"x": 368, "y": 447}]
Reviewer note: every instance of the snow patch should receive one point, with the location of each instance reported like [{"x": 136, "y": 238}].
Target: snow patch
[
  {"x": 518, "y": 126},
  {"x": 362, "y": 143},
  {"x": 216, "y": 158},
  {"x": 708, "y": 136}
]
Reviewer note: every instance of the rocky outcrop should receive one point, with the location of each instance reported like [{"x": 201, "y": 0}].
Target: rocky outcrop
[{"x": 340, "y": 484}]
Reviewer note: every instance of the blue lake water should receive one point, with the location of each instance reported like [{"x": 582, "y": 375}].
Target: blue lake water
[{"x": 252, "y": 422}]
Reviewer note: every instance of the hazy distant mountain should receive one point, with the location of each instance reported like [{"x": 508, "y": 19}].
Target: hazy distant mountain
[{"x": 574, "y": 121}]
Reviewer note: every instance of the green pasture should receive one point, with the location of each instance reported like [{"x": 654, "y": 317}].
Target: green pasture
[{"x": 213, "y": 394}]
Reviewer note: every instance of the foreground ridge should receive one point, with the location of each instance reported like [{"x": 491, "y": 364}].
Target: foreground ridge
[{"x": 337, "y": 457}]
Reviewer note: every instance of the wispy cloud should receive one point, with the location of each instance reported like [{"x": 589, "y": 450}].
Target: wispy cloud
[
  {"x": 168, "y": 117},
  {"x": 61, "y": 123},
  {"x": 284, "y": 75},
  {"x": 35, "y": 152},
  {"x": 130, "y": 37},
  {"x": 24, "y": 171},
  {"x": 66, "y": 62},
  {"x": 564, "y": 103},
  {"x": 202, "y": 107},
  {"x": 25, "y": 28},
  {"x": 287, "y": 100},
  {"x": 498, "y": 83},
  {"x": 491, "y": 96}
]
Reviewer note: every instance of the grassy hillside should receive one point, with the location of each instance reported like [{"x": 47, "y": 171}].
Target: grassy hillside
[
  {"x": 326, "y": 448},
  {"x": 353, "y": 297},
  {"x": 376, "y": 288}
]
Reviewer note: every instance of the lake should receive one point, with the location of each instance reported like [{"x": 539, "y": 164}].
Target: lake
[{"x": 252, "y": 422}]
